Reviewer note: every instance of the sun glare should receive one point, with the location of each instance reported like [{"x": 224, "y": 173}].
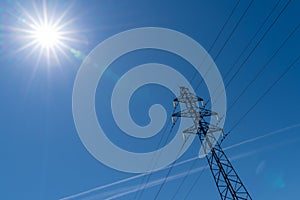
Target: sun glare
[
  {"x": 46, "y": 36},
  {"x": 45, "y": 32}
]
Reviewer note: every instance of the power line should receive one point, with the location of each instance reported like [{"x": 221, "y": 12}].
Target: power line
[
  {"x": 251, "y": 40},
  {"x": 225, "y": 24},
  {"x": 260, "y": 40},
  {"x": 249, "y": 43},
  {"x": 183, "y": 180},
  {"x": 150, "y": 174},
  {"x": 238, "y": 71},
  {"x": 194, "y": 183},
  {"x": 228, "y": 183},
  {"x": 265, "y": 66},
  {"x": 219, "y": 52},
  {"x": 142, "y": 188},
  {"x": 227, "y": 40},
  {"x": 169, "y": 171},
  {"x": 219, "y": 33},
  {"x": 266, "y": 92},
  {"x": 258, "y": 75},
  {"x": 213, "y": 44},
  {"x": 234, "y": 29},
  {"x": 253, "y": 37},
  {"x": 255, "y": 47},
  {"x": 294, "y": 30}
]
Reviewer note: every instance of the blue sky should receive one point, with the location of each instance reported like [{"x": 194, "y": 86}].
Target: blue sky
[{"x": 43, "y": 155}]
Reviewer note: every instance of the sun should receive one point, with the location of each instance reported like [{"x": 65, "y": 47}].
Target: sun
[
  {"x": 45, "y": 33},
  {"x": 47, "y": 36}
]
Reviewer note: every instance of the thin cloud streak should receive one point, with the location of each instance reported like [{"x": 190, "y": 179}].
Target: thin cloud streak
[
  {"x": 183, "y": 162},
  {"x": 125, "y": 180},
  {"x": 182, "y": 174},
  {"x": 155, "y": 182},
  {"x": 263, "y": 136},
  {"x": 104, "y": 186}
]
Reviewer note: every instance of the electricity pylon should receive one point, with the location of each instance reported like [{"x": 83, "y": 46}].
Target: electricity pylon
[{"x": 228, "y": 182}]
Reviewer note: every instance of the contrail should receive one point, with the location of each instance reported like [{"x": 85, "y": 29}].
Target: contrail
[
  {"x": 182, "y": 162},
  {"x": 132, "y": 189},
  {"x": 125, "y": 180},
  {"x": 103, "y": 186},
  {"x": 263, "y": 136},
  {"x": 170, "y": 178},
  {"x": 155, "y": 182}
]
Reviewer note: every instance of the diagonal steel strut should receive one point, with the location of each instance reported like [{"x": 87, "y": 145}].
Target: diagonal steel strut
[{"x": 227, "y": 180}]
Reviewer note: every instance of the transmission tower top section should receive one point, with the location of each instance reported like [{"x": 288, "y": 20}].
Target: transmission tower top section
[
  {"x": 194, "y": 108},
  {"x": 227, "y": 180}
]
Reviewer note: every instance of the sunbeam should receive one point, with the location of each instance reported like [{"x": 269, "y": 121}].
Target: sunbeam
[{"x": 44, "y": 33}]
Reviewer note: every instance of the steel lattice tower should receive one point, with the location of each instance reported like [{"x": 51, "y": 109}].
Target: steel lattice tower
[{"x": 227, "y": 180}]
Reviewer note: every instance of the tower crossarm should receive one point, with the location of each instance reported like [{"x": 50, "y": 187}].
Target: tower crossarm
[{"x": 227, "y": 180}]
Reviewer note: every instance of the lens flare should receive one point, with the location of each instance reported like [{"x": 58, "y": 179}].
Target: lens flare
[
  {"x": 47, "y": 36},
  {"x": 45, "y": 32}
]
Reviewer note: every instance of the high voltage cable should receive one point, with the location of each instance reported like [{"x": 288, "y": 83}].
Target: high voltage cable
[
  {"x": 255, "y": 47},
  {"x": 295, "y": 29},
  {"x": 148, "y": 177},
  {"x": 266, "y": 92},
  {"x": 227, "y": 40},
  {"x": 258, "y": 100},
  {"x": 213, "y": 44},
  {"x": 219, "y": 52},
  {"x": 248, "y": 44},
  {"x": 234, "y": 29},
  {"x": 253, "y": 37},
  {"x": 150, "y": 173},
  {"x": 194, "y": 183},
  {"x": 169, "y": 171},
  {"x": 219, "y": 33},
  {"x": 230, "y": 35},
  {"x": 238, "y": 58},
  {"x": 225, "y": 24},
  {"x": 264, "y": 66},
  {"x": 261, "y": 39},
  {"x": 183, "y": 180}
]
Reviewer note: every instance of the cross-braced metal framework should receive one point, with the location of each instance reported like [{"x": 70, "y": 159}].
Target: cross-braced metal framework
[{"x": 228, "y": 182}]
